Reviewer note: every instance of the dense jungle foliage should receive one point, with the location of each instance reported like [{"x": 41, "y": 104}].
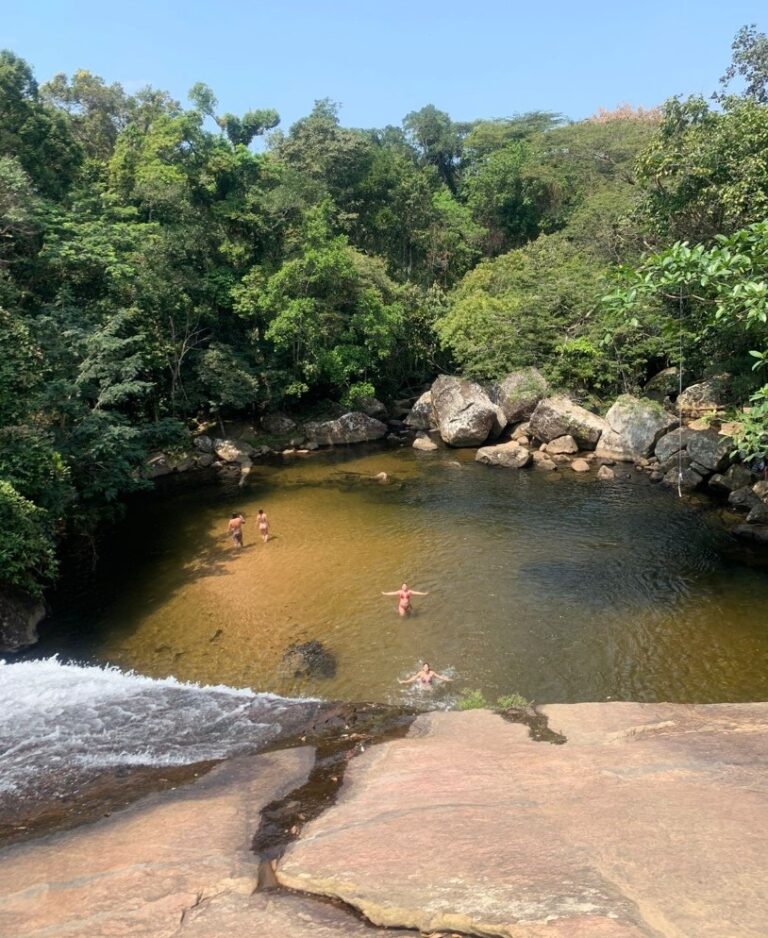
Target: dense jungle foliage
[{"x": 158, "y": 268}]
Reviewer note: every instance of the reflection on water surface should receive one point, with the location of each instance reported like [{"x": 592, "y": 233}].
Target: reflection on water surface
[{"x": 552, "y": 585}]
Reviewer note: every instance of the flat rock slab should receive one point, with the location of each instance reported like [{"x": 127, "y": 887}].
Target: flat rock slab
[
  {"x": 276, "y": 915},
  {"x": 142, "y": 871},
  {"x": 650, "y": 820}
]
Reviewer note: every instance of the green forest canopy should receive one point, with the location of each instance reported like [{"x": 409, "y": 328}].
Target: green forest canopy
[{"x": 155, "y": 269}]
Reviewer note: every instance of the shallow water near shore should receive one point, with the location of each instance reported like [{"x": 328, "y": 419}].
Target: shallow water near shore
[{"x": 553, "y": 585}]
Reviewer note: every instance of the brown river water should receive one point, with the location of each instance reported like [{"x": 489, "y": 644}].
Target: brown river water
[{"x": 552, "y": 585}]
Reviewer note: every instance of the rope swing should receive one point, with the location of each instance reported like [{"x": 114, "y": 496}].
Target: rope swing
[{"x": 679, "y": 395}]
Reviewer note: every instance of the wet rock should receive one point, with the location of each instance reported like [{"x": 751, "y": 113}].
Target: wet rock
[
  {"x": 608, "y": 836},
  {"x": 20, "y": 616},
  {"x": 710, "y": 450},
  {"x": 205, "y": 460},
  {"x": 688, "y": 479},
  {"x": 422, "y": 416},
  {"x": 672, "y": 443},
  {"x": 744, "y": 499},
  {"x": 519, "y": 392},
  {"x": 559, "y": 416},
  {"x": 580, "y": 465},
  {"x": 233, "y": 451},
  {"x": 277, "y": 423},
  {"x": 761, "y": 490},
  {"x": 309, "y": 659},
  {"x": 312, "y": 445},
  {"x": 465, "y": 414},
  {"x": 163, "y": 464},
  {"x": 562, "y": 446},
  {"x": 705, "y": 396},
  {"x": 297, "y": 441},
  {"x": 508, "y": 455},
  {"x": 522, "y": 430},
  {"x": 656, "y": 476},
  {"x": 381, "y": 477},
  {"x": 423, "y": 443},
  {"x": 543, "y": 461},
  {"x": 349, "y": 428},
  {"x": 606, "y": 474},
  {"x": 634, "y": 426},
  {"x": 751, "y": 532}
]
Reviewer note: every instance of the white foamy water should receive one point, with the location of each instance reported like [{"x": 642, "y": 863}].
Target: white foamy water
[{"x": 62, "y": 722}]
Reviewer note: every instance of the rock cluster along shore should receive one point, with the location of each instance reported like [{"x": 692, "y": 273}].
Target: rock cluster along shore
[
  {"x": 516, "y": 423},
  {"x": 650, "y": 821}
]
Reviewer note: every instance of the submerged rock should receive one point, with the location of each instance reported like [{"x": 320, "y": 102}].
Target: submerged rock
[
  {"x": 465, "y": 414},
  {"x": 310, "y": 659},
  {"x": 606, "y": 474},
  {"x": 560, "y": 416}
]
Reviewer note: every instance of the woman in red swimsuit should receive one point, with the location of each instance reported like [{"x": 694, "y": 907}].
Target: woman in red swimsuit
[{"x": 404, "y": 607}]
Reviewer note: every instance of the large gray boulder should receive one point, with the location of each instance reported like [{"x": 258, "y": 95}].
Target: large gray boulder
[
  {"x": 705, "y": 396},
  {"x": 349, "y": 428},
  {"x": 710, "y": 449},
  {"x": 671, "y": 443},
  {"x": 422, "y": 415},
  {"x": 665, "y": 384},
  {"x": 560, "y": 416},
  {"x": 519, "y": 393},
  {"x": 465, "y": 414},
  {"x": 634, "y": 426},
  {"x": 508, "y": 455}
]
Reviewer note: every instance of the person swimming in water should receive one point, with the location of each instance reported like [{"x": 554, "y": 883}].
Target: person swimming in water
[
  {"x": 404, "y": 594},
  {"x": 263, "y": 523},
  {"x": 425, "y": 676},
  {"x": 235, "y": 528}
]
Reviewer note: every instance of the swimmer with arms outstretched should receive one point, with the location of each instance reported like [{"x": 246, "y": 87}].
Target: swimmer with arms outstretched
[
  {"x": 404, "y": 607},
  {"x": 425, "y": 676},
  {"x": 235, "y": 529}
]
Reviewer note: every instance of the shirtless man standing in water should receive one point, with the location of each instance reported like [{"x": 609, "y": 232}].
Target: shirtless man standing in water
[
  {"x": 235, "y": 529},
  {"x": 425, "y": 677},
  {"x": 404, "y": 607}
]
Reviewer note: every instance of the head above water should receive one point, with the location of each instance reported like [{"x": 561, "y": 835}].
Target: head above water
[
  {"x": 426, "y": 666},
  {"x": 404, "y": 586},
  {"x": 261, "y": 511},
  {"x": 235, "y": 514}
]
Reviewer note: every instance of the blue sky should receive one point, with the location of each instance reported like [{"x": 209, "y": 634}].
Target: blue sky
[{"x": 380, "y": 60}]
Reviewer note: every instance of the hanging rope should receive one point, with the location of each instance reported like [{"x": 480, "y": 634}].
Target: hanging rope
[{"x": 679, "y": 395}]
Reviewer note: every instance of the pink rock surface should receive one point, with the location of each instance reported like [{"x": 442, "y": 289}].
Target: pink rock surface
[
  {"x": 141, "y": 872},
  {"x": 651, "y": 820}
]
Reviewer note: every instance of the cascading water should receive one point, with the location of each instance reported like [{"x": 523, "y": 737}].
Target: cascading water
[{"x": 62, "y": 724}]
